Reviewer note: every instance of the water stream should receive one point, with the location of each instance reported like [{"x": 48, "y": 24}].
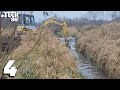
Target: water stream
[{"x": 86, "y": 67}]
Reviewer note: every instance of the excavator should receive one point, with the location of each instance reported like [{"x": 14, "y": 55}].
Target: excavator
[
  {"x": 27, "y": 22},
  {"x": 57, "y": 22}
]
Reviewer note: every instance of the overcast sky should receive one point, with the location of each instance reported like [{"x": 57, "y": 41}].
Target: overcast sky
[{"x": 70, "y": 14}]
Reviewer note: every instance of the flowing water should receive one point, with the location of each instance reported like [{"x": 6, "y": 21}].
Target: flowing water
[{"x": 86, "y": 67}]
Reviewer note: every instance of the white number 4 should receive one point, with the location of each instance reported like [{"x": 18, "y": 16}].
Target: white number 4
[{"x": 10, "y": 70}]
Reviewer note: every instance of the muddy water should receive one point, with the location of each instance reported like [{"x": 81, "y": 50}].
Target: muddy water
[{"x": 86, "y": 67}]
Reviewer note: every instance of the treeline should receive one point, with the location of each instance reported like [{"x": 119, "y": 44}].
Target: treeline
[
  {"x": 92, "y": 18},
  {"x": 89, "y": 18},
  {"x": 83, "y": 22}
]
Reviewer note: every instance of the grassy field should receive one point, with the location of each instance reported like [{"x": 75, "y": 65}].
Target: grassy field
[
  {"x": 102, "y": 44},
  {"x": 72, "y": 31},
  {"x": 49, "y": 59}
]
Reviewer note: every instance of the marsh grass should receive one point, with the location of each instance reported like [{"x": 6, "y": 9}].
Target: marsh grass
[
  {"x": 50, "y": 59},
  {"x": 102, "y": 44}
]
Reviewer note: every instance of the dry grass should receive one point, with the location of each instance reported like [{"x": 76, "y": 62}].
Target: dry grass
[
  {"x": 0, "y": 68},
  {"x": 6, "y": 34},
  {"x": 48, "y": 60},
  {"x": 102, "y": 44},
  {"x": 7, "y": 31},
  {"x": 72, "y": 31},
  {"x": 88, "y": 27}
]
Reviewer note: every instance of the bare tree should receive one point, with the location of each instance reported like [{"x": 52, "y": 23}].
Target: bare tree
[
  {"x": 113, "y": 14},
  {"x": 92, "y": 15},
  {"x": 100, "y": 14}
]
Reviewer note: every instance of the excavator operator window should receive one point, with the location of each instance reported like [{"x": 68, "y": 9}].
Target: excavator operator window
[
  {"x": 29, "y": 20},
  {"x": 32, "y": 20},
  {"x": 20, "y": 19}
]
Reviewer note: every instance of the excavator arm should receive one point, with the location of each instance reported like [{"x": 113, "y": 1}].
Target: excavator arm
[{"x": 55, "y": 21}]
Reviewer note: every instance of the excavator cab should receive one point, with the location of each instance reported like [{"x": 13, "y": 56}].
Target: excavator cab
[{"x": 26, "y": 22}]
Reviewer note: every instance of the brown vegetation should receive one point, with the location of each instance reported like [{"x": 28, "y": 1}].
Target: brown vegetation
[
  {"x": 50, "y": 59},
  {"x": 102, "y": 44}
]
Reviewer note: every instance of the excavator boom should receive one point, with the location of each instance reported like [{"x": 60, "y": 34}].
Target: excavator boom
[{"x": 55, "y": 21}]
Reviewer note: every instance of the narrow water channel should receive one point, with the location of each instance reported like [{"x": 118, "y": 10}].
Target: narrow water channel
[{"x": 86, "y": 67}]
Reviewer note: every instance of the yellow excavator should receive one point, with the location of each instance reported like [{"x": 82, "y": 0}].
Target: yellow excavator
[
  {"x": 57, "y": 22},
  {"x": 27, "y": 22}
]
